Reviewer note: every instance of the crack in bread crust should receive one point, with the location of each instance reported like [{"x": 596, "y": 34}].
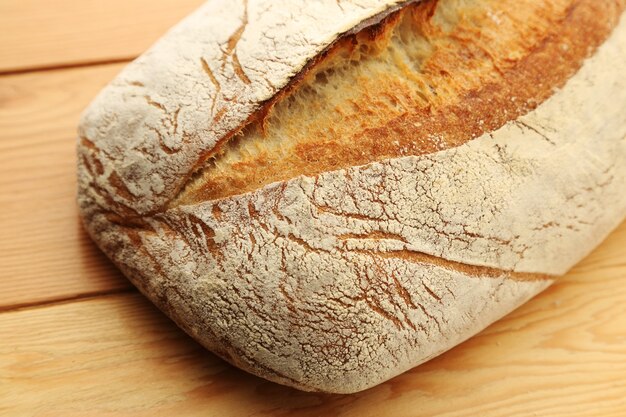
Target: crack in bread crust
[
  {"x": 430, "y": 76},
  {"x": 476, "y": 271}
]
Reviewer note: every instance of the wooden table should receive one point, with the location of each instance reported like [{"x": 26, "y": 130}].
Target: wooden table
[{"x": 77, "y": 340}]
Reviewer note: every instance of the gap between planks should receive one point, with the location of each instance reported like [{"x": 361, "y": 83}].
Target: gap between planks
[
  {"x": 66, "y": 300},
  {"x": 66, "y": 66}
]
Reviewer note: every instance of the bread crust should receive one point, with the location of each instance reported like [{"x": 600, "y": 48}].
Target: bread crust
[{"x": 338, "y": 281}]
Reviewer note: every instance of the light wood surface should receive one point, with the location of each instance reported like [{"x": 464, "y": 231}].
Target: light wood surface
[
  {"x": 45, "y": 253},
  {"x": 77, "y": 340},
  {"x": 48, "y": 33}
]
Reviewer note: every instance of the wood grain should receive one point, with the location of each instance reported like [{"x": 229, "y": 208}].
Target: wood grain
[
  {"x": 562, "y": 354},
  {"x": 44, "y": 252},
  {"x": 46, "y": 33}
]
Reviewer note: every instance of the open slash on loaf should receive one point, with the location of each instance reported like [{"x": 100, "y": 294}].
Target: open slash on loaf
[{"x": 329, "y": 193}]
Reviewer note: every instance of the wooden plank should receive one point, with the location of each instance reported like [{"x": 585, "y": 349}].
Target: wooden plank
[
  {"x": 45, "y": 33},
  {"x": 44, "y": 252},
  {"x": 562, "y": 354}
]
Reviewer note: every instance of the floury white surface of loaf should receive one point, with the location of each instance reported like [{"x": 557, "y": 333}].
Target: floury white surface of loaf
[{"x": 341, "y": 281}]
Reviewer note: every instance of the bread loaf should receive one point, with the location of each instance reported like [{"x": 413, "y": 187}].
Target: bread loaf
[{"x": 329, "y": 193}]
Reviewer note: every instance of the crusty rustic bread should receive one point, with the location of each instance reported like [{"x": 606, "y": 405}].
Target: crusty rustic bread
[{"x": 329, "y": 193}]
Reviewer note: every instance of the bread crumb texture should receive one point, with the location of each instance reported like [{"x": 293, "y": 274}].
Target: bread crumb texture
[{"x": 329, "y": 193}]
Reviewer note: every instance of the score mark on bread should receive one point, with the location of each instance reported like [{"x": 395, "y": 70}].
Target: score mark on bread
[{"x": 430, "y": 76}]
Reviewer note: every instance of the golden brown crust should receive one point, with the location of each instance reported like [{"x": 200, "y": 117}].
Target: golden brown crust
[{"x": 461, "y": 71}]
